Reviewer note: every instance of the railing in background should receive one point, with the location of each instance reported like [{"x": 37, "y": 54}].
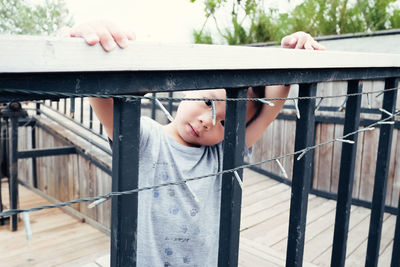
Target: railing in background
[
  {"x": 86, "y": 119},
  {"x": 235, "y": 68}
]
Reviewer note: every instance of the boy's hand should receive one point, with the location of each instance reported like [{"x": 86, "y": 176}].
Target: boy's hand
[
  {"x": 108, "y": 34},
  {"x": 301, "y": 40}
]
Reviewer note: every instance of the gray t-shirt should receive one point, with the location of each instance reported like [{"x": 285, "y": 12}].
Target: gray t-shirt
[{"x": 173, "y": 228}]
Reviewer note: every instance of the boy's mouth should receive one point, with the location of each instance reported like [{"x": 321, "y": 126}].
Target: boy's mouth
[{"x": 193, "y": 131}]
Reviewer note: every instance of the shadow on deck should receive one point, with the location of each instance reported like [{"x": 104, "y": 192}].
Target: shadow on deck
[{"x": 61, "y": 240}]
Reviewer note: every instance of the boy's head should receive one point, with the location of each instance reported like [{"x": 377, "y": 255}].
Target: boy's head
[{"x": 193, "y": 124}]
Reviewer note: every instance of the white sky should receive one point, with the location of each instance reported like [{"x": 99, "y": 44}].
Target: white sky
[{"x": 153, "y": 20}]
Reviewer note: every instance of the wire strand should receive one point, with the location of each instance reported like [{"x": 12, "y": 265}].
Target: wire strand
[
  {"x": 128, "y": 192},
  {"x": 131, "y": 97}
]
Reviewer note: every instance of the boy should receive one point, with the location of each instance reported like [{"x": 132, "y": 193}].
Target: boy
[{"x": 179, "y": 225}]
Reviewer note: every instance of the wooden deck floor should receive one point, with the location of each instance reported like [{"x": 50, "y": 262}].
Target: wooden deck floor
[{"x": 61, "y": 240}]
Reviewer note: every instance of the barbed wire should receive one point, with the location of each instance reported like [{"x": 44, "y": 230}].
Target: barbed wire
[
  {"x": 182, "y": 182},
  {"x": 176, "y": 99}
]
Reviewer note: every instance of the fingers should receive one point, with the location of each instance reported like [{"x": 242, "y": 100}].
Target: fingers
[
  {"x": 289, "y": 41},
  {"x": 108, "y": 34},
  {"x": 105, "y": 36},
  {"x": 318, "y": 46},
  {"x": 301, "y": 40},
  {"x": 87, "y": 32},
  {"x": 119, "y": 36}
]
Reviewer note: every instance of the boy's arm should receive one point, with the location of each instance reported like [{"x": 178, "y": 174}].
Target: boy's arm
[
  {"x": 103, "y": 108},
  {"x": 298, "y": 40},
  {"x": 268, "y": 113},
  {"x": 109, "y": 35}
]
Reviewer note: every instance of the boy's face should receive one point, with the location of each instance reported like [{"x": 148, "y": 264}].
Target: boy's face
[{"x": 194, "y": 123}]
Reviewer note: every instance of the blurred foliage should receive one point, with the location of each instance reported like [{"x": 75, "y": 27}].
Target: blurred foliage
[
  {"x": 251, "y": 23},
  {"x": 24, "y": 17}
]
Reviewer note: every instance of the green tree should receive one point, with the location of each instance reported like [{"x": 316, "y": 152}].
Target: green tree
[
  {"x": 317, "y": 17},
  {"x": 23, "y": 17}
]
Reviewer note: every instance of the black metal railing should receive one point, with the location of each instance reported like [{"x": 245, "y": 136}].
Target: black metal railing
[
  {"x": 86, "y": 119},
  {"x": 21, "y": 82}
]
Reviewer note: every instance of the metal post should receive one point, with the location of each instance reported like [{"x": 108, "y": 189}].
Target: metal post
[
  {"x": 2, "y": 148},
  {"x": 381, "y": 175},
  {"x": 170, "y": 103},
  {"x": 90, "y": 118},
  {"x": 231, "y": 193},
  {"x": 346, "y": 177},
  {"x": 72, "y": 107},
  {"x": 153, "y": 107},
  {"x": 125, "y": 171},
  {"x": 81, "y": 110},
  {"x": 65, "y": 106},
  {"x": 14, "y": 108},
  {"x": 34, "y": 171},
  {"x": 37, "y": 108},
  {"x": 302, "y": 176},
  {"x": 396, "y": 240}
]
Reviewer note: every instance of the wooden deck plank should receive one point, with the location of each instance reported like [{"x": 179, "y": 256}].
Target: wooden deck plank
[
  {"x": 357, "y": 256},
  {"x": 357, "y": 215},
  {"x": 260, "y": 232},
  {"x": 386, "y": 257},
  {"x": 314, "y": 213},
  {"x": 265, "y": 192},
  {"x": 254, "y": 215},
  {"x": 258, "y": 186},
  {"x": 61, "y": 240}
]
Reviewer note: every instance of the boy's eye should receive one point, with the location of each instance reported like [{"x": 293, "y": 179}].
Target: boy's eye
[
  {"x": 223, "y": 123},
  {"x": 207, "y": 102}
]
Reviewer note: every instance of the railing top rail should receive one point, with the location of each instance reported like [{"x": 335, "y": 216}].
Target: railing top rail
[{"x": 32, "y": 54}]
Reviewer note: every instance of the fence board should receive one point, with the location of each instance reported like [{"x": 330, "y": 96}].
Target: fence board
[
  {"x": 316, "y": 156},
  {"x": 396, "y": 179},
  {"x": 368, "y": 166},
  {"x": 325, "y": 157},
  {"x": 392, "y": 166},
  {"x": 357, "y": 167},
  {"x": 336, "y": 155}
]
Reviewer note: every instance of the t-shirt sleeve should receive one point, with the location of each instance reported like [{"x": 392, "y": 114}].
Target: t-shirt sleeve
[
  {"x": 145, "y": 132},
  {"x": 248, "y": 151}
]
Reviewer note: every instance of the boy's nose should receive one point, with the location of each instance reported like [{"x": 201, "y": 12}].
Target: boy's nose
[{"x": 206, "y": 122}]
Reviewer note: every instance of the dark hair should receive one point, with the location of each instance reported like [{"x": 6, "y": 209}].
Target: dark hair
[{"x": 259, "y": 92}]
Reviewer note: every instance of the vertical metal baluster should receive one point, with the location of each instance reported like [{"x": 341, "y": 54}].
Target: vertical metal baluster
[
  {"x": 125, "y": 172},
  {"x": 37, "y": 108},
  {"x": 170, "y": 103},
  {"x": 346, "y": 177},
  {"x": 2, "y": 157},
  {"x": 90, "y": 117},
  {"x": 231, "y": 193},
  {"x": 81, "y": 120},
  {"x": 396, "y": 241},
  {"x": 65, "y": 106},
  {"x": 34, "y": 170},
  {"x": 302, "y": 176},
  {"x": 14, "y": 163},
  {"x": 381, "y": 175},
  {"x": 153, "y": 107},
  {"x": 72, "y": 107}
]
